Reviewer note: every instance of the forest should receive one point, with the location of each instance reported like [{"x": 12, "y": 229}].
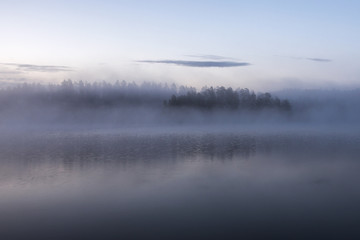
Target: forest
[
  {"x": 75, "y": 95},
  {"x": 227, "y": 98},
  {"x": 124, "y": 103}
]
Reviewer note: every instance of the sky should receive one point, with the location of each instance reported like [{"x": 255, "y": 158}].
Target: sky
[{"x": 262, "y": 45}]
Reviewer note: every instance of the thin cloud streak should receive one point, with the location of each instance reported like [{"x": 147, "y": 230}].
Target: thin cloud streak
[
  {"x": 319, "y": 59},
  {"x": 314, "y": 59},
  {"x": 220, "y": 64},
  {"x": 10, "y": 72},
  {"x": 38, "y": 68}
]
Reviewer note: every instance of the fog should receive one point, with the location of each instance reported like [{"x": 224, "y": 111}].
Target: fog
[
  {"x": 128, "y": 161},
  {"x": 173, "y": 184},
  {"x": 324, "y": 106},
  {"x": 82, "y": 104}
]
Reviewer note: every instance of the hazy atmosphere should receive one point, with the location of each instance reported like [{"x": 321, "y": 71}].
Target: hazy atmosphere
[
  {"x": 262, "y": 45},
  {"x": 179, "y": 119}
]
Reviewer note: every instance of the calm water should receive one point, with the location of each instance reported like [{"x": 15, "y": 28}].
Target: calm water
[{"x": 180, "y": 185}]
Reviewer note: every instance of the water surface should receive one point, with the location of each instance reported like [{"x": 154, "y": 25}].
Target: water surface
[{"x": 176, "y": 184}]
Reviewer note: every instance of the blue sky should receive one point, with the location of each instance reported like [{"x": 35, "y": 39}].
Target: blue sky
[{"x": 265, "y": 45}]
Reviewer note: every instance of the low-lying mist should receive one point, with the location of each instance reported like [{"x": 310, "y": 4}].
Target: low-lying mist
[
  {"x": 323, "y": 106},
  {"x": 124, "y": 104}
]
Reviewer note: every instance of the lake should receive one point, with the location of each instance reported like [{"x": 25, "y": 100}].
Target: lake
[{"x": 180, "y": 183}]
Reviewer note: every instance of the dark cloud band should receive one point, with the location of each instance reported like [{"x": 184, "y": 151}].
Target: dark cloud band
[
  {"x": 211, "y": 57},
  {"x": 220, "y": 64}
]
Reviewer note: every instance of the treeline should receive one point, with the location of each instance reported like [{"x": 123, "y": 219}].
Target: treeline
[
  {"x": 76, "y": 95},
  {"x": 81, "y": 94},
  {"x": 227, "y": 98}
]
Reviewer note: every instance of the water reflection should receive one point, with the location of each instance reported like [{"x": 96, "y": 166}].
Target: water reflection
[{"x": 179, "y": 185}]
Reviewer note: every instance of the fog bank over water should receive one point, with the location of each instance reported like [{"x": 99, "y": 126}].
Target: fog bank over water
[
  {"x": 324, "y": 106},
  {"x": 176, "y": 184},
  {"x": 80, "y": 104},
  {"x": 123, "y": 161}
]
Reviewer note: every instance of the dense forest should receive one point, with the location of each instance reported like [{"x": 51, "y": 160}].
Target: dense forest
[
  {"x": 153, "y": 103},
  {"x": 227, "y": 98},
  {"x": 81, "y": 94}
]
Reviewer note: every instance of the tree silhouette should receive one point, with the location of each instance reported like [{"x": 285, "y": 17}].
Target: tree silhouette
[{"x": 227, "y": 98}]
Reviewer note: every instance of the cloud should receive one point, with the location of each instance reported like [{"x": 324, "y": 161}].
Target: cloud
[
  {"x": 209, "y": 56},
  {"x": 220, "y": 64},
  {"x": 11, "y": 80},
  {"x": 5, "y": 72},
  {"x": 314, "y": 59},
  {"x": 319, "y": 59},
  {"x": 38, "y": 68}
]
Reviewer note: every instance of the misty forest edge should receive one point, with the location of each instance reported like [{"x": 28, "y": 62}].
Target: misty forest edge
[{"x": 81, "y": 94}]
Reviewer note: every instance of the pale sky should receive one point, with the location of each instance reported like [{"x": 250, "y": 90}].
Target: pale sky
[{"x": 262, "y": 45}]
